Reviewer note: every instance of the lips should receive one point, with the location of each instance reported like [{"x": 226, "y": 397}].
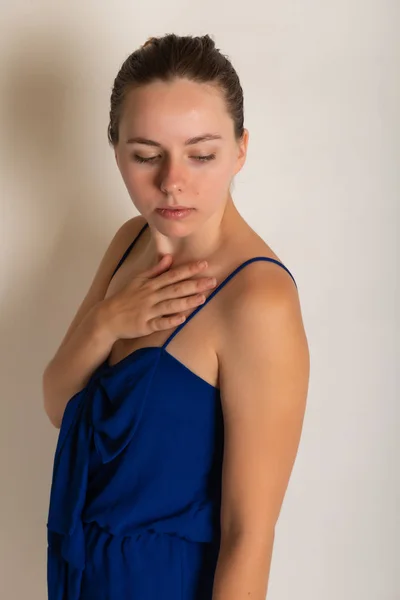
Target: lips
[{"x": 173, "y": 208}]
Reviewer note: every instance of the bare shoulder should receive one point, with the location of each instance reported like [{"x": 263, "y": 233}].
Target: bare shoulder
[
  {"x": 259, "y": 289},
  {"x": 103, "y": 273},
  {"x": 261, "y": 295},
  {"x": 267, "y": 278},
  {"x": 120, "y": 241}
]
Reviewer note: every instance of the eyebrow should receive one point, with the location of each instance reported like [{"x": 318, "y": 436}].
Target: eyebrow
[{"x": 194, "y": 140}]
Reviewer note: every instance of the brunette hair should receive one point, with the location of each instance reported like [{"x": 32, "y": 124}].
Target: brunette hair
[{"x": 172, "y": 56}]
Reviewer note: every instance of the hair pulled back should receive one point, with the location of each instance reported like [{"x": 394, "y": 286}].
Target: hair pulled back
[{"x": 169, "y": 57}]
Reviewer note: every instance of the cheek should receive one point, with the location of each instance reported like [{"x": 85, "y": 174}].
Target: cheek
[
  {"x": 215, "y": 178},
  {"x": 210, "y": 189},
  {"x": 136, "y": 179}
]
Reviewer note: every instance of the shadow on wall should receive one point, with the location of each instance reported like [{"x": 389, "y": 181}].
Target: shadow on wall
[{"x": 52, "y": 244}]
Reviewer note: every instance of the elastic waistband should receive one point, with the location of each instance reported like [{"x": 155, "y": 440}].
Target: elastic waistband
[{"x": 138, "y": 532}]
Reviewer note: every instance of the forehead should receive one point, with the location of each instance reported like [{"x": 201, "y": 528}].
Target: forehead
[{"x": 178, "y": 108}]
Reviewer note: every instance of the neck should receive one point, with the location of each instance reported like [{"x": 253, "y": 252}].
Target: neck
[{"x": 199, "y": 242}]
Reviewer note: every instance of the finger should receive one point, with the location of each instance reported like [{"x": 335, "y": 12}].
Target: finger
[{"x": 163, "y": 264}]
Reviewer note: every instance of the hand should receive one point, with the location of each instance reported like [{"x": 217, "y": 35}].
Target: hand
[{"x": 155, "y": 299}]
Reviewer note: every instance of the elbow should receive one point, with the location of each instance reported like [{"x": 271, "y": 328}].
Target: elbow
[
  {"x": 259, "y": 537},
  {"x": 55, "y": 422},
  {"x": 48, "y": 406},
  {"x": 54, "y": 419}
]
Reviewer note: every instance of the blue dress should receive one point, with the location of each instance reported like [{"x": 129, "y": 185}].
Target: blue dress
[{"x": 136, "y": 486}]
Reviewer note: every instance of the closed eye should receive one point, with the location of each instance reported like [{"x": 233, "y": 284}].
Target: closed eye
[
  {"x": 141, "y": 159},
  {"x": 205, "y": 158}
]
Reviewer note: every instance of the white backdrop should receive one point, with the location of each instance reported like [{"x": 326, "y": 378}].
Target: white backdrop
[{"x": 321, "y": 186}]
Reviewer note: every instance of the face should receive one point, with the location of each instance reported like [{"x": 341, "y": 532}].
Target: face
[{"x": 162, "y": 157}]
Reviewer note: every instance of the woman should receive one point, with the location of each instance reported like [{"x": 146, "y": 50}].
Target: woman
[{"x": 180, "y": 400}]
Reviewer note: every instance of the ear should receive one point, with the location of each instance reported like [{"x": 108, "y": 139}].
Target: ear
[{"x": 242, "y": 151}]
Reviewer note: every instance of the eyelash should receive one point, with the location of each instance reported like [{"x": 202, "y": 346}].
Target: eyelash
[{"x": 140, "y": 159}]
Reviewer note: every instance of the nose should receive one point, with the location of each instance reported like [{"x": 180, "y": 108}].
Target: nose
[{"x": 172, "y": 178}]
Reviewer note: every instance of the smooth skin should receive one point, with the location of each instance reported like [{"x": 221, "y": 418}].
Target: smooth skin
[
  {"x": 262, "y": 347},
  {"x": 154, "y": 300},
  {"x": 258, "y": 336}
]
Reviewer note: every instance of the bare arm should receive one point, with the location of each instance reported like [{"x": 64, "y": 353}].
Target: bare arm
[
  {"x": 264, "y": 362},
  {"x": 69, "y": 371},
  {"x": 87, "y": 342}
]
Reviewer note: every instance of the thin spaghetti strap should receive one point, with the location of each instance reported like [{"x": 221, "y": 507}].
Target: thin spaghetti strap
[
  {"x": 129, "y": 249},
  {"x": 220, "y": 286}
]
